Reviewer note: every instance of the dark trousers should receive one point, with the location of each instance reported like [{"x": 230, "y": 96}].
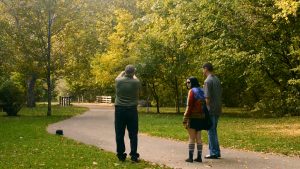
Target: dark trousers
[{"x": 126, "y": 117}]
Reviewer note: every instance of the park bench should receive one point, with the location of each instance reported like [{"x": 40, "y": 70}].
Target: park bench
[{"x": 103, "y": 99}]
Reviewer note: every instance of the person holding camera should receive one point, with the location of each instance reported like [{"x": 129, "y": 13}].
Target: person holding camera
[{"x": 126, "y": 114}]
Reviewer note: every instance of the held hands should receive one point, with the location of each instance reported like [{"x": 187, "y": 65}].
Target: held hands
[{"x": 208, "y": 107}]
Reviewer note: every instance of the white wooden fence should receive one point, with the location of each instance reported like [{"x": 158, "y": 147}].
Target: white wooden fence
[
  {"x": 103, "y": 99},
  {"x": 65, "y": 101}
]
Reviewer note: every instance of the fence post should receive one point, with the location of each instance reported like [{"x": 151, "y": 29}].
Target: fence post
[
  {"x": 59, "y": 100},
  {"x": 64, "y": 101}
]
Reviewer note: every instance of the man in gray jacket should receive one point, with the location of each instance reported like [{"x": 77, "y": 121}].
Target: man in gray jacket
[{"x": 126, "y": 114}]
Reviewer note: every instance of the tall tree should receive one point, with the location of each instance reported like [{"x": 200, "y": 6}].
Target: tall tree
[
  {"x": 30, "y": 23},
  {"x": 270, "y": 46}
]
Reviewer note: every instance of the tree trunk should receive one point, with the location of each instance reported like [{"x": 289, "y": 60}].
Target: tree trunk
[
  {"x": 48, "y": 62},
  {"x": 156, "y": 97},
  {"x": 177, "y": 95},
  {"x": 30, "y": 90}
]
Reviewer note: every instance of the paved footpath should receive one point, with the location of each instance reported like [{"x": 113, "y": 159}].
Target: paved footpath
[{"x": 96, "y": 127}]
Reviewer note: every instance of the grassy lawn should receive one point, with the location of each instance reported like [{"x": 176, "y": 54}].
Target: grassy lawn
[
  {"x": 24, "y": 143},
  {"x": 276, "y": 135}
]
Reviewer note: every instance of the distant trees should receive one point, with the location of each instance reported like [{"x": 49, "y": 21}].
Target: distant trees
[
  {"x": 254, "y": 46},
  {"x": 30, "y": 26},
  {"x": 267, "y": 44}
]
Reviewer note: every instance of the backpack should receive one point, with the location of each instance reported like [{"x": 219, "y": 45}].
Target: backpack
[{"x": 198, "y": 93}]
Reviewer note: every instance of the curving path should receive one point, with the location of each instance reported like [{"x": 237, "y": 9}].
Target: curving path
[{"x": 96, "y": 127}]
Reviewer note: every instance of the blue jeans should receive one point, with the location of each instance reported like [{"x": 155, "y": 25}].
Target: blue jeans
[{"x": 214, "y": 148}]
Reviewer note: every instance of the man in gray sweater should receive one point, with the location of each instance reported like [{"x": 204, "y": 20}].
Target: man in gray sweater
[
  {"x": 126, "y": 114},
  {"x": 213, "y": 98}
]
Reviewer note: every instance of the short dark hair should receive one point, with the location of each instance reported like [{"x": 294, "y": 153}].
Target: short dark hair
[
  {"x": 130, "y": 70},
  {"x": 208, "y": 66}
]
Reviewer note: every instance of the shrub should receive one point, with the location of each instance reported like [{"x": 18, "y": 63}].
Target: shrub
[{"x": 11, "y": 98}]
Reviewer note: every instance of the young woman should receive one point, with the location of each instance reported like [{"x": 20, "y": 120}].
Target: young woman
[{"x": 194, "y": 117}]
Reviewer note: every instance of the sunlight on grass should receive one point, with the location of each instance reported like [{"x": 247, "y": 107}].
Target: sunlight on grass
[
  {"x": 24, "y": 143},
  {"x": 292, "y": 130},
  {"x": 236, "y": 130}
]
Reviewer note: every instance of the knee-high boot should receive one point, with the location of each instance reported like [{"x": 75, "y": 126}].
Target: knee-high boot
[
  {"x": 199, "y": 153},
  {"x": 191, "y": 153}
]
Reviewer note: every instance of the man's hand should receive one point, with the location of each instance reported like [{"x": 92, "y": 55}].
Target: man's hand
[
  {"x": 207, "y": 100},
  {"x": 121, "y": 74}
]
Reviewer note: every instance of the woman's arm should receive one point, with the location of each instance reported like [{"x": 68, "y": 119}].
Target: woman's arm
[{"x": 189, "y": 106}]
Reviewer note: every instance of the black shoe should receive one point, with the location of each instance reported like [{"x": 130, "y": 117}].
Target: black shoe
[
  {"x": 122, "y": 157},
  {"x": 211, "y": 157},
  {"x": 219, "y": 155},
  {"x": 135, "y": 159},
  {"x": 189, "y": 160},
  {"x": 199, "y": 160}
]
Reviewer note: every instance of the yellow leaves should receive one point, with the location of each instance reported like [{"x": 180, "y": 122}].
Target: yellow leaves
[
  {"x": 104, "y": 67},
  {"x": 287, "y": 7},
  {"x": 124, "y": 19},
  {"x": 295, "y": 82},
  {"x": 123, "y": 15},
  {"x": 109, "y": 64}
]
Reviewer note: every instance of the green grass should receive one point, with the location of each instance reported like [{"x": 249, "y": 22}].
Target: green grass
[
  {"x": 235, "y": 130},
  {"x": 24, "y": 143}
]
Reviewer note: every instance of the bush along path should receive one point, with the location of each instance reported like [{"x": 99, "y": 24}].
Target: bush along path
[{"x": 96, "y": 127}]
